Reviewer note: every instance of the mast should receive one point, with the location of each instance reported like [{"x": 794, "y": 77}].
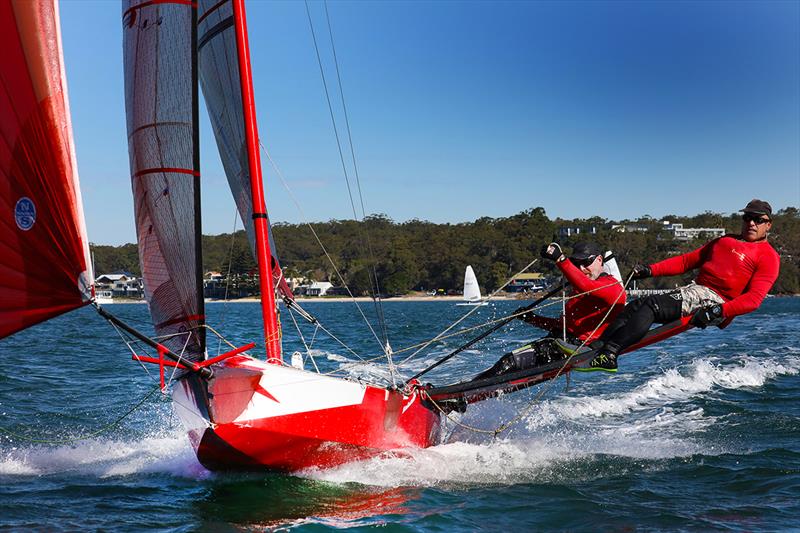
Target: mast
[
  {"x": 198, "y": 223},
  {"x": 272, "y": 333}
]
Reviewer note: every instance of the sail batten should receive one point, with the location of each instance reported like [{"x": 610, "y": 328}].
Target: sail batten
[{"x": 161, "y": 106}]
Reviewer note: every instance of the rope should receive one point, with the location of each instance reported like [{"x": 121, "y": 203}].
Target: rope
[
  {"x": 529, "y": 407},
  {"x": 319, "y": 241},
  {"x": 362, "y": 231},
  {"x": 85, "y": 436},
  {"x": 497, "y": 320},
  {"x": 303, "y": 339},
  {"x": 440, "y": 338},
  {"x": 228, "y": 276},
  {"x": 451, "y": 326}
]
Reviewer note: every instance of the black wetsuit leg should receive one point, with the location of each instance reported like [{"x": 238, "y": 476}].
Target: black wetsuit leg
[
  {"x": 540, "y": 352},
  {"x": 637, "y": 317}
]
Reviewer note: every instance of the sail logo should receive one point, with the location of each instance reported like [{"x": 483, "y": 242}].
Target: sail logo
[{"x": 25, "y": 213}]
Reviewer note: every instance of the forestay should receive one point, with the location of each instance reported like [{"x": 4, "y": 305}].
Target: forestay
[
  {"x": 44, "y": 253},
  {"x": 160, "y": 101}
]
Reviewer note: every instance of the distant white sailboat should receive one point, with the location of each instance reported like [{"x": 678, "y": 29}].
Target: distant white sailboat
[{"x": 472, "y": 293}]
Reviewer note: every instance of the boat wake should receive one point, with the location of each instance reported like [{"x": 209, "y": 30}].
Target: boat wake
[
  {"x": 584, "y": 436},
  {"x": 662, "y": 418}
]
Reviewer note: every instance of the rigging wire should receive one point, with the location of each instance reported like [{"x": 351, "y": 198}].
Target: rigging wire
[
  {"x": 228, "y": 276},
  {"x": 491, "y": 322},
  {"x": 90, "y": 435},
  {"x": 454, "y": 324},
  {"x": 457, "y": 333},
  {"x": 375, "y": 288},
  {"x": 303, "y": 339},
  {"x": 374, "y": 271},
  {"x": 546, "y": 387},
  {"x": 322, "y": 246}
]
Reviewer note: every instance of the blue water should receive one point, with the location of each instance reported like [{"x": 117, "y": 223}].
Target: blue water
[{"x": 701, "y": 432}]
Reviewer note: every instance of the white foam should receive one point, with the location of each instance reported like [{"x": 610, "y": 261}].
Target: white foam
[
  {"x": 656, "y": 420},
  {"x": 459, "y": 462},
  {"x": 168, "y": 451},
  {"x": 673, "y": 385}
]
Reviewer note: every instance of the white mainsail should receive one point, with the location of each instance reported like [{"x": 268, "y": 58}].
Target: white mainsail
[{"x": 472, "y": 292}]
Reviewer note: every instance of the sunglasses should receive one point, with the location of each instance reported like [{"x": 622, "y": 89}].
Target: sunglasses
[
  {"x": 754, "y": 218},
  {"x": 585, "y": 262}
]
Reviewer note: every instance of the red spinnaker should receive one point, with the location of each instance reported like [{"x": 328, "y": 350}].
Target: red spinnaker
[{"x": 44, "y": 254}]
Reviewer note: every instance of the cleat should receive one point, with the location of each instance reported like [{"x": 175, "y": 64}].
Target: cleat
[
  {"x": 606, "y": 362},
  {"x": 569, "y": 349}
]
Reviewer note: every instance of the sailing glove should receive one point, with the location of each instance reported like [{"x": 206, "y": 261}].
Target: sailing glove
[
  {"x": 552, "y": 251},
  {"x": 707, "y": 316},
  {"x": 641, "y": 272}
]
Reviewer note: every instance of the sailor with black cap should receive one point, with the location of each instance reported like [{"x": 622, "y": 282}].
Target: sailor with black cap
[
  {"x": 596, "y": 298},
  {"x": 735, "y": 274}
]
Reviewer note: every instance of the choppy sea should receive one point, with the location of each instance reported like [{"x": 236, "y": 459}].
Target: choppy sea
[{"x": 701, "y": 432}]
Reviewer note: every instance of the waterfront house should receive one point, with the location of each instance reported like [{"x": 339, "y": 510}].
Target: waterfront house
[
  {"x": 529, "y": 282},
  {"x": 119, "y": 285}
]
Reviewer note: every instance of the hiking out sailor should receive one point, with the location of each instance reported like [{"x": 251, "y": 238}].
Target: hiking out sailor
[
  {"x": 596, "y": 299},
  {"x": 735, "y": 274}
]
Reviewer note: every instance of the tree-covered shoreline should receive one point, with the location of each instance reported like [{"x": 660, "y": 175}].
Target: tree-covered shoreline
[{"x": 422, "y": 255}]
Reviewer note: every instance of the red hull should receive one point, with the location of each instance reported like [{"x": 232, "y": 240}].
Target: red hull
[{"x": 257, "y": 416}]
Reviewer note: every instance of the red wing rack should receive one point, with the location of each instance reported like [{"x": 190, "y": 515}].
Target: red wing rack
[{"x": 476, "y": 390}]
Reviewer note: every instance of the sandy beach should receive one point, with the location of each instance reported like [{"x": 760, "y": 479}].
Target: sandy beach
[{"x": 409, "y": 298}]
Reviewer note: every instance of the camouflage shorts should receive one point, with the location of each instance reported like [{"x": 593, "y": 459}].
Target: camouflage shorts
[{"x": 694, "y": 296}]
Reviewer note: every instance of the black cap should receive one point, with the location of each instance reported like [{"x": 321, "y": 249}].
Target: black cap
[
  {"x": 758, "y": 207},
  {"x": 584, "y": 250}
]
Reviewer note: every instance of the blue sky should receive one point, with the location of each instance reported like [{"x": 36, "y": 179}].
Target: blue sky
[{"x": 460, "y": 110}]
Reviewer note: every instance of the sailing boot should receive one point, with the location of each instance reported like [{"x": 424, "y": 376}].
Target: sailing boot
[{"x": 605, "y": 361}]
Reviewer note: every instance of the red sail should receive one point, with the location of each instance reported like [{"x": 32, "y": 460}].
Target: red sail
[
  {"x": 44, "y": 265},
  {"x": 161, "y": 107}
]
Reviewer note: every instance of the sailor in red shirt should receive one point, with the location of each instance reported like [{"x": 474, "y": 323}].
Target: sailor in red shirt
[
  {"x": 736, "y": 272},
  {"x": 597, "y": 298},
  {"x": 586, "y": 315}
]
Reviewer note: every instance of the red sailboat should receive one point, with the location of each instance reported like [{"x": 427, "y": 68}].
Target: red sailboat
[
  {"x": 240, "y": 412},
  {"x": 247, "y": 413}
]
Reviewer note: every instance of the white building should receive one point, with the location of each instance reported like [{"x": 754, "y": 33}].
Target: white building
[
  {"x": 679, "y": 233},
  {"x": 318, "y": 288},
  {"x": 118, "y": 286},
  {"x": 629, "y": 228},
  {"x": 576, "y": 230}
]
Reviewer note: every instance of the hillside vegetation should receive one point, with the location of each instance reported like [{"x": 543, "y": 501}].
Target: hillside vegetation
[{"x": 421, "y": 255}]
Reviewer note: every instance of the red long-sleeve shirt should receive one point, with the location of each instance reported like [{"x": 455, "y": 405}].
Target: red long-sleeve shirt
[
  {"x": 585, "y": 312},
  {"x": 739, "y": 271}
]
